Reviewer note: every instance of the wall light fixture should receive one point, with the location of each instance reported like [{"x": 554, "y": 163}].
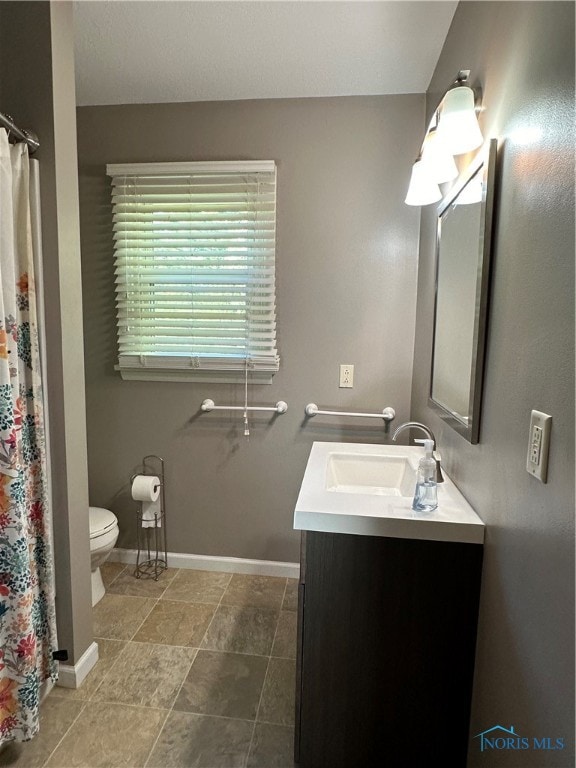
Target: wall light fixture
[{"x": 453, "y": 130}]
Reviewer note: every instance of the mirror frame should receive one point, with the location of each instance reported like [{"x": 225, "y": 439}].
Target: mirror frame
[{"x": 485, "y": 160}]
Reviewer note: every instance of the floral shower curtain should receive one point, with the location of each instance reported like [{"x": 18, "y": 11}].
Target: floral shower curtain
[{"x": 27, "y": 618}]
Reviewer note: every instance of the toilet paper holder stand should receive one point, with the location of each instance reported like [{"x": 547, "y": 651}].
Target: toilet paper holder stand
[{"x": 152, "y": 554}]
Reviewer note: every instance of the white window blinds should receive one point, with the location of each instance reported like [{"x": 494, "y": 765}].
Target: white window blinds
[{"x": 194, "y": 251}]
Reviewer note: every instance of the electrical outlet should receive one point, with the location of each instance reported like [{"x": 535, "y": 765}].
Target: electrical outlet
[
  {"x": 346, "y": 375},
  {"x": 538, "y": 445}
]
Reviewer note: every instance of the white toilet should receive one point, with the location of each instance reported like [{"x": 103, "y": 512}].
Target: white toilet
[{"x": 103, "y": 536}]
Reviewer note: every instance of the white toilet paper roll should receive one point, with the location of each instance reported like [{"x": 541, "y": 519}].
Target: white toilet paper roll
[
  {"x": 151, "y": 514},
  {"x": 145, "y": 488}
]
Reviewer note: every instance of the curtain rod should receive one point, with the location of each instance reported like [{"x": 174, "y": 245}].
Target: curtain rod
[{"x": 19, "y": 133}]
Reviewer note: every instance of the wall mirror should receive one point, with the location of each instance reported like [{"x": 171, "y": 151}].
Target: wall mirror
[{"x": 462, "y": 282}]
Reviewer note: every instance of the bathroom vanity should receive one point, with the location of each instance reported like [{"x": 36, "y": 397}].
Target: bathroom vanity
[{"x": 388, "y": 607}]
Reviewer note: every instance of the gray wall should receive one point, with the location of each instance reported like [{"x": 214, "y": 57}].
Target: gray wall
[
  {"x": 523, "y": 56},
  {"x": 346, "y": 288},
  {"x": 37, "y": 89}
]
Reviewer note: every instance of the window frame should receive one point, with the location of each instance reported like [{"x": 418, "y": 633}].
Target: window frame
[{"x": 188, "y": 367}]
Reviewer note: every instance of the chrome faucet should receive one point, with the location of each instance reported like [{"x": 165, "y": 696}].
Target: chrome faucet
[{"x": 427, "y": 431}]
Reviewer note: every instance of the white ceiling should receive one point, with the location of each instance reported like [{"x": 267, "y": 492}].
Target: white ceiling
[{"x": 129, "y": 51}]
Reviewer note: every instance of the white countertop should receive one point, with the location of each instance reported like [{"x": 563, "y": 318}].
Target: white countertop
[{"x": 369, "y": 514}]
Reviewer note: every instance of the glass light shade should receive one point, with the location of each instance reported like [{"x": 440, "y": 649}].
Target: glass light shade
[
  {"x": 473, "y": 192},
  {"x": 458, "y": 127},
  {"x": 438, "y": 160},
  {"x": 423, "y": 190}
]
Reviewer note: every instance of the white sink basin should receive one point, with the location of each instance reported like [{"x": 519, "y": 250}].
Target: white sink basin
[
  {"x": 382, "y": 475},
  {"x": 367, "y": 490}
]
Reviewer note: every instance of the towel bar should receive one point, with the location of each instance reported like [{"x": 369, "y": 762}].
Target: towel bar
[
  {"x": 388, "y": 414},
  {"x": 280, "y": 407}
]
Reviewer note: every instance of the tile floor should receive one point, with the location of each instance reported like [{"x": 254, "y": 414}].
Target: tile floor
[{"x": 195, "y": 671}]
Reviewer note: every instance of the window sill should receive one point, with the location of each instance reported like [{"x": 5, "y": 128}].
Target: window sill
[{"x": 187, "y": 375}]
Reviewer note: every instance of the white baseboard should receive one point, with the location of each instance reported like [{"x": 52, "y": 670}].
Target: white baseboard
[
  {"x": 216, "y": 563},
  {"x": 72, "y": 676}
]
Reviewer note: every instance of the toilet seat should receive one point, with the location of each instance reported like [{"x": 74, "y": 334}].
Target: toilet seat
[{"x": 102, "y": 521}]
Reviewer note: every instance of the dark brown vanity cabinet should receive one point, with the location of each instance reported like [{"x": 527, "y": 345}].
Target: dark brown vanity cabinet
[{"x": 386, "y": 635}]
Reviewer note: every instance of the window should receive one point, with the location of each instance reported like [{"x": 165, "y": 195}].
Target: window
[{"x": 194, "y": 251}]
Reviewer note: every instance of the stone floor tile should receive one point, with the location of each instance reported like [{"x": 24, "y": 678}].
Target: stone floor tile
[
  {"x": 278, "y": 694},
  {"x": 108, "y": 652},
  {"x": 172, "y": 622},
  {"x": 200, "y": 741},
  {"x": 146, "y": 675},
  {"x": 56, "y": 716},
  {"x": 285, "y": 640},
  {"x": 194, "y": 586},
  {"x": 127, "y": 584},
  {"x": 241, "y": 630},
  {"x": 109, "y": 736},
  {"x": 148, "y": 662},
  {"x": 290, "y": 602},
  {"x": 272, "y": 747},
  {"x": 225, "y": 684},
  {"x": 110, "y": 571},
  {"x": 255, "y": 591},
  {"x": 117, "y": 617}
]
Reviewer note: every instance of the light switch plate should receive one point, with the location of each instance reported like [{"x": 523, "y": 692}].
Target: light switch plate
[{"x": 538, "y": 445}]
